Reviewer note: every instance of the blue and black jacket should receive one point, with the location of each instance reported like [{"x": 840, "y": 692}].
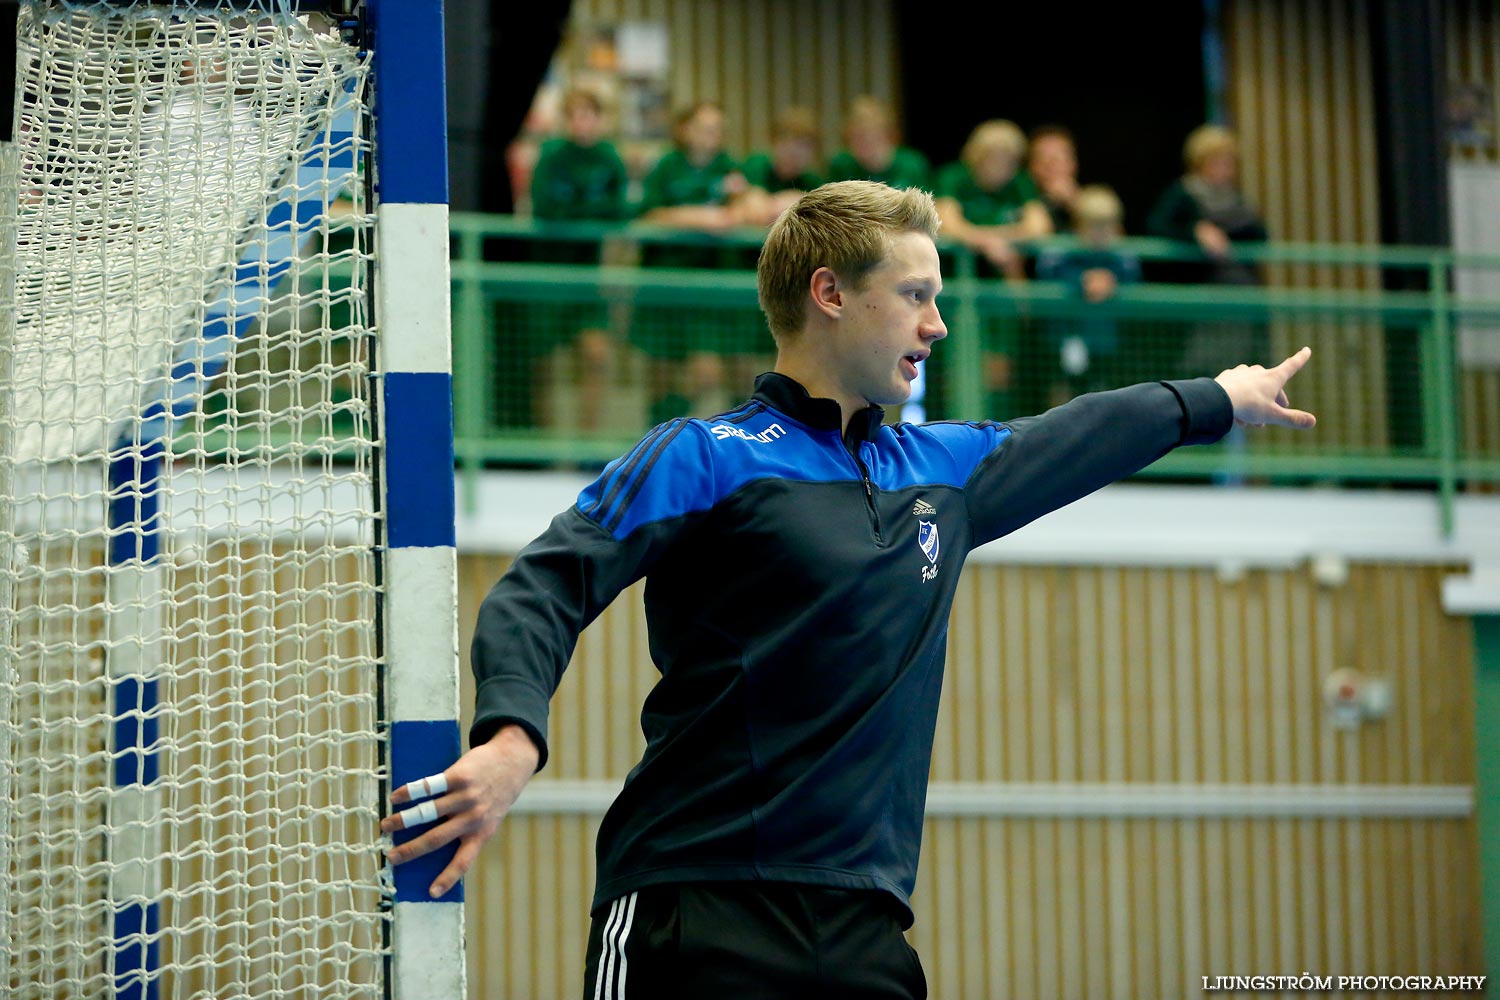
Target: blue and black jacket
[{"x": 798, "y": 584}]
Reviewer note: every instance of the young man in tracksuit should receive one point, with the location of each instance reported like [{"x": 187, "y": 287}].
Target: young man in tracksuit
[{"x": 800, "y": 558}]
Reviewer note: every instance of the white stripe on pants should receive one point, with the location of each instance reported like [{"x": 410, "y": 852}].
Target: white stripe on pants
[{"x": 609, "y": 984}]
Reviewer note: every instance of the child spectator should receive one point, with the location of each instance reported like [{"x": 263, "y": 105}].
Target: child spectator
[
  {"x": 696, "y": 185},
  {"x": 790, "y": 167},
  {"x": 1052, "y": 162},
  {"x": 873, "y": 149},
  {"x": 1094, "y": 269},
  {"x": 693, "y": 184},
  {"x": 579, "y": 177},
  {"x": 791, "y": 164}
]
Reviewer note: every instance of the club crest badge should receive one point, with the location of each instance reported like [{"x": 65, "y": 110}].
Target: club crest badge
[{"x": 927, "y": 538}]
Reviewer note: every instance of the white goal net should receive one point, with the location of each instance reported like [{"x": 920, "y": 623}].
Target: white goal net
[{"x": 190, "y": 735}]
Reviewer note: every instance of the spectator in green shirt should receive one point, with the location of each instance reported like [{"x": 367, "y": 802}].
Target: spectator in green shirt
[
  {"x": 790, "y": 167},
  {"x": 695, "y": 182},
  {"x": 697, "y": 185},
  {"x": 873, "y": 149},
  {"x": 579, "y": 177},
  {"x": 986, "y": 202}
]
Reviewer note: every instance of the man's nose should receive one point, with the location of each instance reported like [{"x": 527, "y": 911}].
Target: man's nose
[{"x": 934, "y": 326}]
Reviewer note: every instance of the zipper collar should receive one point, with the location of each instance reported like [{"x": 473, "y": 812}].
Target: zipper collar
[{"x": 790, "y": 397}]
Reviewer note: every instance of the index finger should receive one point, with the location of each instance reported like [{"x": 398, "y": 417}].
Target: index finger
[{"x": 1293, "y": 364}]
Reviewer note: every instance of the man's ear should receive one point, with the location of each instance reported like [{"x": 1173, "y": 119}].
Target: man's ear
[{"x": 827, "y": 292}]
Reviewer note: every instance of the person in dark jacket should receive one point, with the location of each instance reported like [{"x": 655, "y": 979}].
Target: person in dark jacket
[
  {"x": 801, "y": 558},
  {"x": 1052, "y": 162},
  {"x": 1206, "y": 206}
]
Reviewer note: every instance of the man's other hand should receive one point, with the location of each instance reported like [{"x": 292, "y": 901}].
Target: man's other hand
[{"x": 482, "y": 786}]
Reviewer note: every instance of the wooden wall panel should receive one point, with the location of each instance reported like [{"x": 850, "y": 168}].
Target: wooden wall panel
[
  {"x": 1258, "y": 895},
  {"x": 1114, "y": 675},
  {"x": 1300, "y": 94},
  {"x": 1173, "y": 675},
  {"x": 1473, "y": 56},
  {"x": 1479, "y": 416},
  {"x": 758, "y": 56}
]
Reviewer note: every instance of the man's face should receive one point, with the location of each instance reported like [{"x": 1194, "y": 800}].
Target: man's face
[
  {"x": 890, "y": 323},
  {"x": 1053, "y": 159}
]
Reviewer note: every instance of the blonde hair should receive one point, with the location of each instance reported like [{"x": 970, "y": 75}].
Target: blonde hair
[
  {"x": 845, "y": 226},
  {"x": 1097, "y": 203},
  {"x": 1205, "y": 141},
  {"x": 995, "y": 134}
]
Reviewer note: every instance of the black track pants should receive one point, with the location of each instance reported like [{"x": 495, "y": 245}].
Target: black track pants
[{"x": 751, "y": 940}]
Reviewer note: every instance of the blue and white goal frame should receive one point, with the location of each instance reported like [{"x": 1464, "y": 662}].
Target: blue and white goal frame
[{"x": 418, "y": 625}]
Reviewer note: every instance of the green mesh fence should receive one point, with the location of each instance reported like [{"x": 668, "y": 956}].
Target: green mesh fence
[
  {"x": 566, "y": 356},
  {"x": 571, "y": 340}
]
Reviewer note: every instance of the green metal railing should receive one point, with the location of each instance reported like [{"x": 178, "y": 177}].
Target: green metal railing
[{"x": 1391, "y": 401}]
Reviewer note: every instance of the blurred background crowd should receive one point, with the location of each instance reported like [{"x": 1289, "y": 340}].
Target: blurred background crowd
[
  {"x": 1121, "y": 200},
  {"x": 1006, "y": 191}
]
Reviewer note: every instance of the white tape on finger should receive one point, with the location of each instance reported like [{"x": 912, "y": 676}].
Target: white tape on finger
[
  {"x": 436, "y": 784},
  {"x": 417, "y": 815}
]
